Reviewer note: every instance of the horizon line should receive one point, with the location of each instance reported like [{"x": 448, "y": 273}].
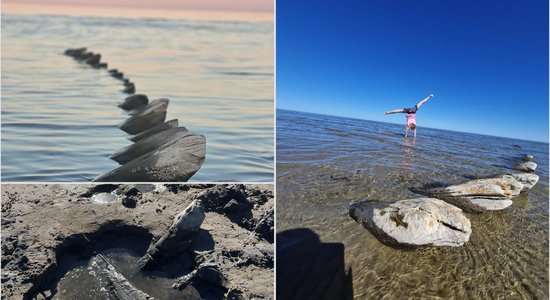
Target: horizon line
[
  {"x": 194, "y": 14},
  {"x": 355, "y": 118}
]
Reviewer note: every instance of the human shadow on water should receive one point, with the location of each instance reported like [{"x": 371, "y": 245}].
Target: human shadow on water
[{"x": 309, "y": 269}]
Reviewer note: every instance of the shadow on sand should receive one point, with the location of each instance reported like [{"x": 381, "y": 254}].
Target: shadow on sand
[{"x": 309, "y": 269}]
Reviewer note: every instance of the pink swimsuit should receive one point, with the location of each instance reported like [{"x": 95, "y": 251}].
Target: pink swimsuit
[{"x": 411, "y": 119}]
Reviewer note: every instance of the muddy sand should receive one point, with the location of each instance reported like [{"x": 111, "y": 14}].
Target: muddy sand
[{"x": 50, "y": 230}]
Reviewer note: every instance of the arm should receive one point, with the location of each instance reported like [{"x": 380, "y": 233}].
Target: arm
[
  {"x": 396, "y": 111},
  {"x": 424, "y": 101}
]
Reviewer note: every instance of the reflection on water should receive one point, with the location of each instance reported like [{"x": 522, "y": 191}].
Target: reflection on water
[
  {"x": 325, "y": 162},
  {"x": 59, "y": 117}
]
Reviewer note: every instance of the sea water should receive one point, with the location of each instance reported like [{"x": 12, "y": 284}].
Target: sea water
[
  {"x": 60, "y": 117},
  {"x": 325, "y": 162}
]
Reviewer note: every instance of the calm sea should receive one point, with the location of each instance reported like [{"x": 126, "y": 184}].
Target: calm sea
[
  {"x": 324, "y": 162},
  {"x": 60, "y": 117}
]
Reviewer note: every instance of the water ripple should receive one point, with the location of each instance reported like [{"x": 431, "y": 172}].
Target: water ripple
[
  {"x": 50, "y": 100},
  {"x": 325, "y": 162}
]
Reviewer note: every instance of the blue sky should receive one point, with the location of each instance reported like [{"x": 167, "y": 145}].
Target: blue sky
[{"x": 486, "y": 62}]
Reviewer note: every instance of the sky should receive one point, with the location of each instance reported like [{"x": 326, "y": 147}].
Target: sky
[
  {"x": 486, "y": 62},
  {"x": 234, "y": 5}
]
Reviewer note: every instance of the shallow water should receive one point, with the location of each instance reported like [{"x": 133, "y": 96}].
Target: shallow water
[
  {"x": 85, "y": 282},
  {"x": 59, "y": 117},
  {"x": 104, "y": 198},
  {"x": 325, "y": 162}
]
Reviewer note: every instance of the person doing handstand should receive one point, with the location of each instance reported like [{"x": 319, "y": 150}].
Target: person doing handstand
[{"x": 411, "y": 115}]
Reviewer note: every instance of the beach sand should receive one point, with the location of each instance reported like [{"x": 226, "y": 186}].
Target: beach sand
[{"x": 44, "y": 225}]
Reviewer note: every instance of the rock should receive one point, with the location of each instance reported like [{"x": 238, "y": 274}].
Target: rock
[
  {"x": 527, "y": 179},
  {"x": 151, "y": 143},
  {"x": 483, "y": 204},
  {"x": 118, "y": 75},
  {"x": 7, "y": 249},
  {"x": 115, "y": 283},
  {"x": 235, "y": 206},
  {"x": 94, "y": 59},
  {"x": 146, "y": 119},
  {"x": 134, "y": 101},
  {"x": 129, "y": 89},
  {"x": 528, "y": 157},
  {"x": 413, "y": 222},
  {"x": 6, "y": 221},
  {"x": 265, "y": 226},
  {"x": 217, "y": 198},
  {"x": 234, "y": 294},
  {"x": 173, "y": 241},
  {"x": 155, "y": 129},
  {"x": 176, "y": 162},
  {"x": 528, "y": 166},
  {"x": 129, "y": 202},
  {"x": 154, "y": 103},
  {"x": 75, "y": 52},
  {"x": 481, "y": 194},
  {"x": 208, "y": 273},
  {"x": 129, "y": 190},
  {"x": 84, "y": 56}
]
